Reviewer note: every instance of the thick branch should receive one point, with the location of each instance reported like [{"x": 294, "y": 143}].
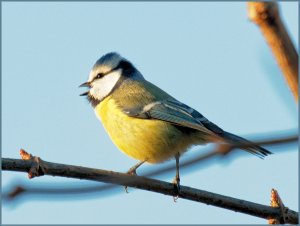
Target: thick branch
[
  {"x": 266, "y": 16},
  {"x": 143, "y": 183}
]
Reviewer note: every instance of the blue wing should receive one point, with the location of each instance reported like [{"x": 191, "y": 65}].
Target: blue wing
[{"x": 177, "y": 113}]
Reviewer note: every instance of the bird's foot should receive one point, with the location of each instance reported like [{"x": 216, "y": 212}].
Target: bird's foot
[
  {"x": 131, "y": 171},
  {"x": 176, "y": 183}
]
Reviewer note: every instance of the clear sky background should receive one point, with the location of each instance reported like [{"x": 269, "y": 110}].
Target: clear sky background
[{"x": 206, "y": 54}]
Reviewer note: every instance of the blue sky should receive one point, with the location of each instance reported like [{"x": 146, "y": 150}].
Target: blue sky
[{"x": 206, "y": 54}]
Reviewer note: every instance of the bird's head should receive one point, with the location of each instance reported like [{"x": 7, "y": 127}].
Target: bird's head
[{"x": 105, "y": 75}]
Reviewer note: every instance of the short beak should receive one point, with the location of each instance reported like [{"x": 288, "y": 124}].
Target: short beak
[
  {"x": 86, "y": 84},
  {"x": 84, "y": 94}
]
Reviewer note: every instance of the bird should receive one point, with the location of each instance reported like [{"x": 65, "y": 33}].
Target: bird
[{"x": 144, "y": 121}]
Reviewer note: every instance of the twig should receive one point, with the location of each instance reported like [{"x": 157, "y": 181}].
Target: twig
[
  {"x": 277, "y": 202},
  {"x": 266, "y": 16},
  {"x": 20, "y": 189},
  {"x": 219, "y": 150},
  {"x": 143, "y": 183}
]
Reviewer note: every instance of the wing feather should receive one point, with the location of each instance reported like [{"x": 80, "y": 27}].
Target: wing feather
[{"x": 171, "y": 111}]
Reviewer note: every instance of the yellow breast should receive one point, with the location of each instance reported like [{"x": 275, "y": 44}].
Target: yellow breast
[{"x": 143, "y": 139}]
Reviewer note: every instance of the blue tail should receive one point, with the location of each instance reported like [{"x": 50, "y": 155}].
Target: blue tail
[{"x": 251, "y": 147}]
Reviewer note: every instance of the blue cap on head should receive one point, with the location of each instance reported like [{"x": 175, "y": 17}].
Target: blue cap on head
[{"x": 109, "y": 60}]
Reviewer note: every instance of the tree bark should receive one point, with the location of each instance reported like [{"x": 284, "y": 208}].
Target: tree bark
[{"x": 266, "y": 16}]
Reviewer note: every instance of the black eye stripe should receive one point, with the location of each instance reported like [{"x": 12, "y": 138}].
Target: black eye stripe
[
  {"x": 124, "y": 65},
  {"x": 99, "y": 75}
]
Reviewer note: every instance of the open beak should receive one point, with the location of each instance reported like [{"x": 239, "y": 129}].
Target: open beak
[
  {"x": 84, "y": 94},
  {"x": 86, "y": 84}
]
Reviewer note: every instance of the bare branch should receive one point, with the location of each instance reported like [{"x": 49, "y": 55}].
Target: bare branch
[
  {"x": 22, "y": 189},
  {"x": 143, "y": 183},
  {"x": 225, "y": 149},
  {"x": 218, "y": 151},
  {"x": 266, "y": 16},
  {"x": 35, "y": 167}
]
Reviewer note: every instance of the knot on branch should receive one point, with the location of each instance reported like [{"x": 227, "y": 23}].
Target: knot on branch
[
  {"x": 37, "y": 167},
  {"x": 263, "y": 12},
  {"x": 277, "y": 202}
]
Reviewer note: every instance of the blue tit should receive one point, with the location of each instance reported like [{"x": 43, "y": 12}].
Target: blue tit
[{"x": 145, "y": 122}]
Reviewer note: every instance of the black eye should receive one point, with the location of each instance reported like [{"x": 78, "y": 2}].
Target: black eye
[{"x": 100, "y": 75}]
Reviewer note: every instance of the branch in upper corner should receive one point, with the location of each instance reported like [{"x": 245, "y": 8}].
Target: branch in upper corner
[{"x": 266, "y": 16}]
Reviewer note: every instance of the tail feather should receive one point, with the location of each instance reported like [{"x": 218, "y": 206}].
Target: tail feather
[{"x": 250, "y": 147}]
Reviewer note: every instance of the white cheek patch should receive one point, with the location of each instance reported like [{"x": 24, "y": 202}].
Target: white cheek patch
[{"x": 102, "y": 87}]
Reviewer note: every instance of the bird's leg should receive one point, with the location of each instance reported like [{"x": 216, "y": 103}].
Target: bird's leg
[
  {"x": 132, "y": 171},
  {"x": 176, "y": 180}
]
